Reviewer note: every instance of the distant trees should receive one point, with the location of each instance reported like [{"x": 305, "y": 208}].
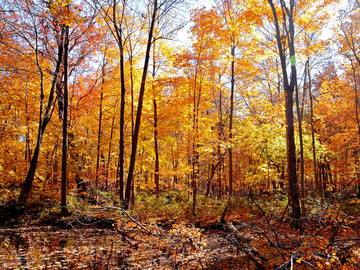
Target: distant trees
[{"x": 206, "y": 119}]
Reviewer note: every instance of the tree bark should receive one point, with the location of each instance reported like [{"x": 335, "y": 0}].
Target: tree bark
[
  {"x": 316, "y": 180},
  {"x": 220, "y": 139},
  {"x": 63, "y": 205},
  {"x": 302, "y": 169},
  {"x": 156, "y": 146},
  {"x": 100, "y": 121},
  {"x": 99, "y": 140},
  {"x": 27, "y": 139},
  {"x": 109, "y": 152}
]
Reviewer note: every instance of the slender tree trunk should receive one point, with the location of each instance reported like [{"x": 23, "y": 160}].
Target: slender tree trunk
[
  {"x": 220, "y": 139},
  {"x": 316, "y": 177},
  {"x": 27, "y": 139},
  {"x": 358, "y": 125},
  {"x": 131, "y": 65},
  {"x": 352, "y": 42},
  {"x": 156, "y": 145},
  {"x": 356, "y": 97},
  {"x": 195, "y": 152},
  {"x": 119, "y": 37},
  {"x": 99, "y": 140},
  {"x": 194, "y": 185},
  {"x": 122, "y": 135},
  {"x": 64, "y": 211},
  {"x": 302, "y": 169},
  {"x": 130, "y": 178},
  {"x": 231, "y": 118},
  {"x": 194, "y": 174},
  {"x": 109, "y": 152},
  {"x": 25, "y": 190},
  {"x": 55, "y": 167},
  {"x": 100, "y": 121}
]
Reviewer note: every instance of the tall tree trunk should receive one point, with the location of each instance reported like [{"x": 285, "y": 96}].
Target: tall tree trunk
[
  {"x": 109, "y": 152},
  {"x": 130, "y": 179},
  {"x": 99, "y": 140},
  {"x": 352, "y": 42},
  {"x": 220, "y": 139},
  {"x": 64, "y": 211},
  {"x": 289, "y": 103},
  {"x": 231, "y": 117},
  {"x": 27, "y": 139},
  {"x": 194, "y": 161},
  {"x": 156, "y": 146},
  {"x": 291, "y": 159},
  {"x": 356, "y": 97},
  {"x": 100, "y": 120},
  {"x": 25, "y": 190},
  {"x": 358, "y": 125},
  {"x": 131, "y": 66},
  {"x": 316, "y": 177},
  {"x": 302, "y": 169},
  {"x": 118, "y": 32},
  {"x": 195, "y": 145}
]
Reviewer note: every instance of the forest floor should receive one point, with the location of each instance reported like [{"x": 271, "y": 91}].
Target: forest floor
[{"x": 252, "y": 232}]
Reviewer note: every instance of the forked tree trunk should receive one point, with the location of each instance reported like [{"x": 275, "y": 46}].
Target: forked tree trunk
[
  {"x": 130, "y": 179},
  {"x": 119, "y": 39},
  {"x": 43, "y": 122},
  {"x": 289, "y": 103}
]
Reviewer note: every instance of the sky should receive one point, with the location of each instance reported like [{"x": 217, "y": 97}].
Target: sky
[{"x": 184, "y": 35}]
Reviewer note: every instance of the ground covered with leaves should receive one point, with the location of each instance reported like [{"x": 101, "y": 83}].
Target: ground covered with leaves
[{"x": 243, "y": 233}]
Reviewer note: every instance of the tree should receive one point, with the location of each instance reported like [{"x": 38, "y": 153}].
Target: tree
[
  {"x": 116, "y": 22},
  {"x": 130, "y": 178},
  {"x": 65, "y": 121},
  {"x": 158, "y": 11},
  {"x": 289, "y": 84},
  {"x": 227, "y": 11},
  {"x": 44, "y": 119}
]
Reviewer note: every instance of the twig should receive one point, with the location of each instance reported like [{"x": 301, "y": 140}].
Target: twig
[
  {"x": 283, "y": 265},
  {"x": 306, "y": 262},
  {"x": 132, "y": 219},
  {"x": 346, "y": 239}
]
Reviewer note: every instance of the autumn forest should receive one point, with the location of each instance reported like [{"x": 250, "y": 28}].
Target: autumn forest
[{"x": 179, "y": 136}]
